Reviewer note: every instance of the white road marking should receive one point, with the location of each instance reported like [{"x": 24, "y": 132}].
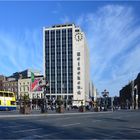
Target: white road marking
[
  {"x": 63, "y": 118},
  {"x": 79, "y": 113},
  {"x": 96, "y": 121},
  {"x": 40, "y": 120},
  {"x": 13, "y": 126},
  {"x": 109, "y": 136},
  {"x": 28, "y": 137},
  {"x": 63, "y": 114},
  {"x": 26, "y": 130},
  {"x": 118, "y": 117},
  {"x": 54, "y": 119},
  {"x": 38, "y": 136},
  {"x": 22, "y": 115},
  {"x": 133, "y": 129},
  {"x": 70, "y": 124},
  {"x": 51, "y": 134}
]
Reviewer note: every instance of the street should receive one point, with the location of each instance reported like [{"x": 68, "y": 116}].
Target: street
[{"x": 90, "y": 125}]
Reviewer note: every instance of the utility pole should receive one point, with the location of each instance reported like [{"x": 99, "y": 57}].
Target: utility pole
[
  {"x": 105, "y": 94},
  {"x": 44, "y": 85},
  {"x": 136, "y": 97},
  {"x": 132, "y": 94},
  {"x": 112, "y": 105}
]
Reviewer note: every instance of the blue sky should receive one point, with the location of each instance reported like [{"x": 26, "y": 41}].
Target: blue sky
[{"x": 112, "y": 30}]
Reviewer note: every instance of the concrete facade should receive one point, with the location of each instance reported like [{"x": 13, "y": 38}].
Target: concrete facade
[
  {"x": 25, "y": 88},
  {"x": 25, "y": 74},
  {"x": 2, "y": 78},
  {"x": 19, "y": 83},
  {"x": 11, "y": 84},
  {"x": 66, "y": 63}
]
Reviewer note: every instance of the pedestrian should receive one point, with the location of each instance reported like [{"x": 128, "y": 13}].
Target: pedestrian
[
  {"x": 42, "y": 108},
  {"x": 68, "y": 107}
]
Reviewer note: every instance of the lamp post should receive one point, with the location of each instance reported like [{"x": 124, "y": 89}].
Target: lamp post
[
  {"x": 132, "y": 94},
  {"x": 45, "y": 100},
  {"x": 105, "y": 94},
  {"x": 112, "y": 103},
  {"x": 136, "y": 97},
  {"x": 62, "y": 97},
  {"x": 44, "y": 85}
]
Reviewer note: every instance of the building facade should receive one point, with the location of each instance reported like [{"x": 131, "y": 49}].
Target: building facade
[
  {"x": 24, "y": 87},
  {"x": 10, "y": 84},
  {"x": 130, "y": 94},
  {"x": 136, "y": 96},
  {"x": 32, "y": 89},
  {"x": 25, "y": 74},
  {"x": 2, "y": 78},
  {"x": 66, "y": 63}
]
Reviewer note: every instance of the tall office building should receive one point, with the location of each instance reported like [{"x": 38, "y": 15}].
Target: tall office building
[{"x": 66, "y": 63}]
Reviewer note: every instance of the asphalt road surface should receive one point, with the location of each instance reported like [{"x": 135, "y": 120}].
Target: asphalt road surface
[{"x": 105, "y": 125}]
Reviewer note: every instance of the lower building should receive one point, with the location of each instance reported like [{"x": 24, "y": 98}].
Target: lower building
[
  {"x": 2, "y": 78},
  {"x": 25, "y": 74},
  {"x": 136, "y": 96},
  {"x": 31, "y": 88},
  {"x": 130, "y": 94},
  {"x": 10, "y": 84}
]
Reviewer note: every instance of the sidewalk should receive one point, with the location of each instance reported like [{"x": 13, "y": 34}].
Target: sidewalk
[{"x": 36, "y": 113}]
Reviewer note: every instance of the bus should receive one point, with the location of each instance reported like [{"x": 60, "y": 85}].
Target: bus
[{"x": 7, "y": 100}]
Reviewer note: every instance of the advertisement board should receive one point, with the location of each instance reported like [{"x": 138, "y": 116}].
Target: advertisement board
[{"x": 35, "y": 86}]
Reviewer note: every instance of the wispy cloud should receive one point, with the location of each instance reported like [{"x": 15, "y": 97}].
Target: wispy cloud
[
  {"x": 113, "y": 33},
  {"x": 113, "y": 36},
  {"x": 65, "y": 19},
  {"x": 20, "y": 51},
  {"x": 57, "y": 8}
]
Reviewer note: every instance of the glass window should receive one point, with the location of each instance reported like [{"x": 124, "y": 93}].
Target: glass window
[
  {"x": 78, "y": 53},
  {"x": 78, "y": 92},
  {"x": 11, "y": 95},
  {"x": 78, "y": 73},
  {"x": 78, "y": 63},
  {"x": 13, "y": 102},
  {"x": 78, "y": 68},
  {"x": 5, "y": 94},
  {"x": 78, "y": 82},
  {"x": 1, "y": 94},
  {"x": 78, "y": 87},
  {"x": 78, "y": 77},
  {"x": 78, "y": 58},
  {"x": 77, "y": 30}
]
